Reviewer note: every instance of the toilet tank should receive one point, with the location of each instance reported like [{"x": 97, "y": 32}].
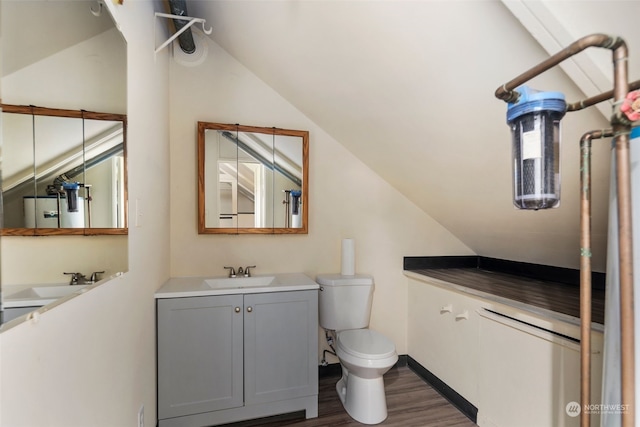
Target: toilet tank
[{"x": 345, "y": 301}]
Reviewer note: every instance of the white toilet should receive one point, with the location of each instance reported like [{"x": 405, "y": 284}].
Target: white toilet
[{"x": 365, "y": 355}]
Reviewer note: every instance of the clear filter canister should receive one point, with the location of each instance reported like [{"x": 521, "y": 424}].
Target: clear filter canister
[{"x": 535, "y": 133}]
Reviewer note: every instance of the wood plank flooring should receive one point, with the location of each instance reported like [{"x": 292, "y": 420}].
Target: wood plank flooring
[{"x": 410, "y": 403}]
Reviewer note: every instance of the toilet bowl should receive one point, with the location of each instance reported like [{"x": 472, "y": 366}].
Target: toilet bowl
[{"x": 365, "y": 356}]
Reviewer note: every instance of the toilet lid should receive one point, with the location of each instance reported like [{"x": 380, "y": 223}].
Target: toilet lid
[{"x": 366, "y": 344}]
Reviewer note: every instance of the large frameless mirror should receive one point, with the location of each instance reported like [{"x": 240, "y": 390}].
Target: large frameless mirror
[
  {"x": 63, "y": 164},
  {"x": 252, "y": 180}
]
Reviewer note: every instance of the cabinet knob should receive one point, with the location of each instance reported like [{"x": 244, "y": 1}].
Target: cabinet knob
[
  {"x": 237, "y": 309},
  {"x": 249, "y": 309},
  {"x": 446, "y": 309}
]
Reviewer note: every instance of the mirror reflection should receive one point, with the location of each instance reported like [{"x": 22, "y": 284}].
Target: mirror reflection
[
  {"x": 252, "y": 179},
  {"x": 67, "y": 172},
  {"x": 47, "y": 152}
]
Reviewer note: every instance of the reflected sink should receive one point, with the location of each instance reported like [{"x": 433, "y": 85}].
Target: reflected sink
[
  {"x": 239, "y": 282},
  {"x": 48, "y": 292}
]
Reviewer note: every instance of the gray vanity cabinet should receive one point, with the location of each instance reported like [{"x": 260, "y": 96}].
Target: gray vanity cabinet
[
  {"x": 199, "y": 354},
  {"x": 227, "y": 358}
]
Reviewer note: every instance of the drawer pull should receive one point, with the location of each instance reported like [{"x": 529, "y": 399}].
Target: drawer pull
[
  {"x": 463, "y": 316},
  {"x": 446, "y": 309}
]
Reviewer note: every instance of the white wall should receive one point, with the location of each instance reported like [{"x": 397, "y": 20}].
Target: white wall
[
  {"x": 91, "y": 360},
  {"x": 347, "y": 199}
]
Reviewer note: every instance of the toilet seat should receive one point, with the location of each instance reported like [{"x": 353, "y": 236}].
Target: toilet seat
[{"x": 365, "y": 344}]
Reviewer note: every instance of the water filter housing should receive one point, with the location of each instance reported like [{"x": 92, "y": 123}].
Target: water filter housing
[{"x": 535, "y": 133}]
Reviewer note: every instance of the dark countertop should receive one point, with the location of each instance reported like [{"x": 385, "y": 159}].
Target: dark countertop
[{"x": 548, "y": 295}]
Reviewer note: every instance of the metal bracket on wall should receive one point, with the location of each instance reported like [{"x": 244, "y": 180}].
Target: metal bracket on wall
[{"x": 191, "y": 22}]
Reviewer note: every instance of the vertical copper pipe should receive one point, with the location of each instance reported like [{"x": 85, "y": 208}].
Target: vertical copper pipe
[
  {"x": 621, "y": 129},
  {"x": 585, "y": 268},
  {"x": 585, "y": 280}
]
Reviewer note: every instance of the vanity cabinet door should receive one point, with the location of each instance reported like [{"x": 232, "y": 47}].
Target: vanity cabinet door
[
  {"x": 281, "y": 346},
  {"x": 199, "y": 354}
]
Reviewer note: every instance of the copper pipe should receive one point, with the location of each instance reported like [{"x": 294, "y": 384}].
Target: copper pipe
[
  {"x": 621, "y": 129},
  {"x": 507, "y": 93},
  {"x": 598, "y": 98},
  {"x": 585, "y": 266},
  {"x": 627, "y": 342}
]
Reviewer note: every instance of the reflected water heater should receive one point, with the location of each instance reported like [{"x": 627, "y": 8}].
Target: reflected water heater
[{"x": 535, "y": 133}]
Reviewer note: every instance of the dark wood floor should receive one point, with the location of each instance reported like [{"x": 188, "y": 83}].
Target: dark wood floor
[{"x": 410, "y": 402}]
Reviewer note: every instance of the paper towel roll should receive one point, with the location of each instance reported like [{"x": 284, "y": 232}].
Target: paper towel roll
[
  {"x": 348, "y": 257},
  {"x": 296, "y": 221}
]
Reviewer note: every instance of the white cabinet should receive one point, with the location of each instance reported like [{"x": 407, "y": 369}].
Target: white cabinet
[
  {"x": 228, "y": 358},
  {"x": 443, "y": 336},
  {"x": 516, "y": 367},
  {"x": 530, "y": 374}
]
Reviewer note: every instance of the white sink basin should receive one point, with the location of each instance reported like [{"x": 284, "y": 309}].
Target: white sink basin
[
  {"x": 47, "y": 292},
  {"x": 56, "y": 291},
  {"x": 239, "y": 282}
]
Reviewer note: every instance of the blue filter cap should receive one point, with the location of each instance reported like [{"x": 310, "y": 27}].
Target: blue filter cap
[
  {"x": 70, "y": 185},
  {"x": 532, "y": 100}
]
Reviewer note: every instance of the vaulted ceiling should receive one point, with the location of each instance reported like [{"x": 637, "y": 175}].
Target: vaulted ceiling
[{"x": 407, "y": 86}]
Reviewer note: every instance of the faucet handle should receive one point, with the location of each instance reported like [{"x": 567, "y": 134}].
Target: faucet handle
[
  {"x": 94, "y": 276},
  {"x": 247, "y": 272},
  {"x": 232, "y": 271},
  {"x": 74, "y": 278}
]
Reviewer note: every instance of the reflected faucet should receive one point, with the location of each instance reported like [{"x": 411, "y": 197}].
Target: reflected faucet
[
  {"x": 81, "y": 279},
  {"x": 94, "y": 276},
  {"x": 77, "y": 278}
]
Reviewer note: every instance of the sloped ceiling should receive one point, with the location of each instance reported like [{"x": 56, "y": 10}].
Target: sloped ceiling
[
  {"x": 407, "y": 86},
  {"x": 65, "y": 24}
]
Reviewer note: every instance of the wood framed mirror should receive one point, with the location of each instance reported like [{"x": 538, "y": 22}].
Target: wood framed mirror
[
  {"x": 252, "y": 180},
  {"x": 67, "y": 174}
]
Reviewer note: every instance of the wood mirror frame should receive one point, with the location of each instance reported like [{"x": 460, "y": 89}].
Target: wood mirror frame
[
  {"x": 204, "y": 228},
  {"x": 85, "y": 115}
]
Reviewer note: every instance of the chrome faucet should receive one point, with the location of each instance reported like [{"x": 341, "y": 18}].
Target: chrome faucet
[{"x": 246, "y": 272}]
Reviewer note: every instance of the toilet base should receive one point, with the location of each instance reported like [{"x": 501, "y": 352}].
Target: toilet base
[{"x": 363, "y": 398}]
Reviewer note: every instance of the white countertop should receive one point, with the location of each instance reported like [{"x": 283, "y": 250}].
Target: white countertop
[
  {"x": 16, "y": 296},
  {"x": 179, "y": 287}
]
